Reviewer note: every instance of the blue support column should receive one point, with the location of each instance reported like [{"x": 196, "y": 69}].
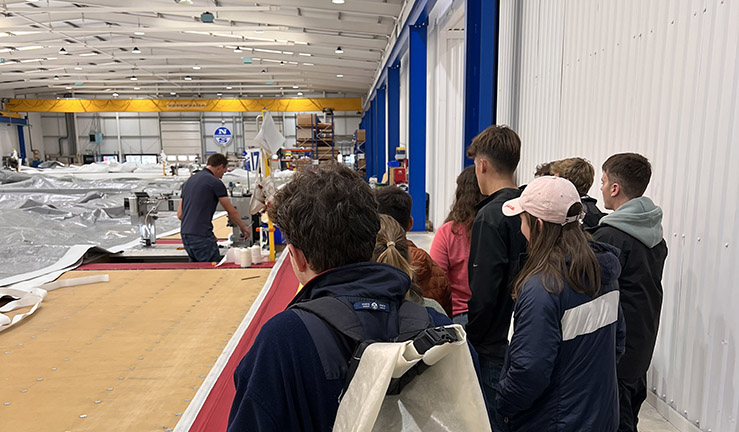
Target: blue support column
[
  {"x": 481, "y": 73},
  {"x": 381, "y": 166},
  {"x": 22, "y": 145},
  {"x": 370, "y": 143},
  {"x": 417, "y": 122},
  {"x": 393, "y": 109},
  {"x": 376, "y": 149}
]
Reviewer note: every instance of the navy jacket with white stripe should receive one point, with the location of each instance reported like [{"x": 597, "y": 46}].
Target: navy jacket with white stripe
[{"x": 560, "y": 370}]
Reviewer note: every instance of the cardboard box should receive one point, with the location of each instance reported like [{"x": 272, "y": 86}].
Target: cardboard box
[
  {"x": 304, "y": 134},
  {"x": 305, "y": 120},
  {"x": 302, "y": 164},
  {"x": 361, "y": 164},
  {"x": 361, "y": 135},
  {"x": 326, "y": 153}
]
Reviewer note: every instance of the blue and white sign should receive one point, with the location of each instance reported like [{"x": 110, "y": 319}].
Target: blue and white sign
[
  {"x": 222, "y": 136},
  {"x": 251, "y": 160}
]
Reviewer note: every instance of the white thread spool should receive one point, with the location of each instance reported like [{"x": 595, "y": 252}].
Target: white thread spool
[
  {"x": 245, "y": 254},
  {"x": 236, "y": 256},
  {"x": 256, "y": 254}
]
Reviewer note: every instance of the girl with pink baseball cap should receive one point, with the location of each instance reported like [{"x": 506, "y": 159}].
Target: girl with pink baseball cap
[{"x": 560, "y": 369}]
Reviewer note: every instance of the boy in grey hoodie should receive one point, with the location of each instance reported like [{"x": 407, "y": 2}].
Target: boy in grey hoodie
[{"x": 635, "y": 227}]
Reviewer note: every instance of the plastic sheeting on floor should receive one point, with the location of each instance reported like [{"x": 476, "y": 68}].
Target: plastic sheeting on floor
[{"x": 43, "y": 217}]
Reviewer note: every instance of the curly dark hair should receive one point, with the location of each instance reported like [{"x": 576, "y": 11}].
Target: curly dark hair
[
  {"x": 466, "y": 198},
  {"x": 330, "y": 214},
  {"x": 395, "y": 202}
]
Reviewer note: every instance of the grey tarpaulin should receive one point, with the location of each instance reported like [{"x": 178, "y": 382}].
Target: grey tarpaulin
[{"x": 41, "y": 216}]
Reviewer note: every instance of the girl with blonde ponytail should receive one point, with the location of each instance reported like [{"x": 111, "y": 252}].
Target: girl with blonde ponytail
[{"x": 391, "y": 247}]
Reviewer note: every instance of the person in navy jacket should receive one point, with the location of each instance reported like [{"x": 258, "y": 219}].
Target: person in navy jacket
[
  {"x": 560, "y": 369},
  {"x": 291, "y": 378}
]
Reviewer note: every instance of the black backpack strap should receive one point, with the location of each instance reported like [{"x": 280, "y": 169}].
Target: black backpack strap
[
  {"x": 412, "y": 318},
  {"x": 334, "y": 313}
]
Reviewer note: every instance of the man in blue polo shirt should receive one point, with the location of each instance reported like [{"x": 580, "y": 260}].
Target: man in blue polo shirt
[{"x": 200, "y": 196}]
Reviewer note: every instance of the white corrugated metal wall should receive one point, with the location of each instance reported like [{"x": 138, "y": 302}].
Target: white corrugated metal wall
[
  {"x": 445, "y": 125},
  {"x": 592, "y": 78}
]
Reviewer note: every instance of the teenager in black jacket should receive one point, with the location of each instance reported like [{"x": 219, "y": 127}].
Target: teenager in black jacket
[
  {"x": 635, "y": 227},
  {"x": 496, "y": 243}
]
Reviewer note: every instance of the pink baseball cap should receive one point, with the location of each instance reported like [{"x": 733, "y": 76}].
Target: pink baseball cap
[{"x": 547, "y": 198}]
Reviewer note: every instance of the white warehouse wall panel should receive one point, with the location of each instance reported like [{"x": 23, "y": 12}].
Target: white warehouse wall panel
[
  {"x": 659, "y": 78},
  {"x": 404, "y": 82},
  {"x": 445, "y": 116},
  {"x": 8, "y": 139},
  {"x": 140, "y": 132}
]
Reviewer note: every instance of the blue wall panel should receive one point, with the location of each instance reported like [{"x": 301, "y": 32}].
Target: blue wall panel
[
  {"x": 380, "y": 140},
  {"x": 417, "y": 57},
  {"x": 481, "y": 62}
]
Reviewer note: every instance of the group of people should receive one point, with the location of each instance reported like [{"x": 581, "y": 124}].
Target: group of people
[{"x": 583, "y": 289}]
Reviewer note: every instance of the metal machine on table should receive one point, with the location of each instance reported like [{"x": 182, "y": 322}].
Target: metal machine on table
[
  {"x": 241, "y": 200},
  {"x": 144, "y": 211}
]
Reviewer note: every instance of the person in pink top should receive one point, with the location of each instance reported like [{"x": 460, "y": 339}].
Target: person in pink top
[{"x": 451, "y": 246}]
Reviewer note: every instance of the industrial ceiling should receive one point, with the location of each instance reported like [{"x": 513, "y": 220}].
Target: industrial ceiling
[{"x": 168, "y": 48}]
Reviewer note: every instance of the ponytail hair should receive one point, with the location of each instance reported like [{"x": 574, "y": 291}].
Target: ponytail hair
[{"x": 391, "y": 246}]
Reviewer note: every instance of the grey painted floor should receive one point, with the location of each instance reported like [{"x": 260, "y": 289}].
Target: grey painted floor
[{"x": 649, "y": 419}]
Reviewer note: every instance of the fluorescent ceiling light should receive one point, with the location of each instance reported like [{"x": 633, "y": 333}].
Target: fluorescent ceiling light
[
  {"x": 237, "y": 49},
  {"x": 296, "y": 86},
  {"x": 133, "y": 78},
  {"x": 305, "y": 54},
  {"x": 56, "y": 77},
  {"x": 300, "y": 93},
  {"x": 337, "y": 1},
  {"x": 268, "y": 51},
  {"x": 136, "y": 50},
  {"x": 68, "y": 88},
  {"x": 339, "y": 76},
  {"x": 139, "y": 33},
  {"x": 115, "y": 94},
  {"x": 339, "y": 50},
  {"x": 78, "y": 68},
  {"x": 62, "y": 51},
  {"x": 90, "y": 54},
  {"x": 28, "y": 48},
  {"x": 196, "y": 67},
  {"x": 232, "y": 36},
  {"x": 173, "y": 93},
  {"x": 308, "y": 64},
  {"x": 219, "y": 94},
  {"x": 137, "y": 88},
  {"x": 188, "y": 78},
  {"x": 228, "y": 87}
]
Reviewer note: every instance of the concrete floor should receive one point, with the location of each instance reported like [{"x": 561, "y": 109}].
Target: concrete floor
[{"x": 649, "y": 419}]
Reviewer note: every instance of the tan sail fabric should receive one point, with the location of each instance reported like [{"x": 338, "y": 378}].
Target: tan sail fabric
[{"x": 445, "y": 397}]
